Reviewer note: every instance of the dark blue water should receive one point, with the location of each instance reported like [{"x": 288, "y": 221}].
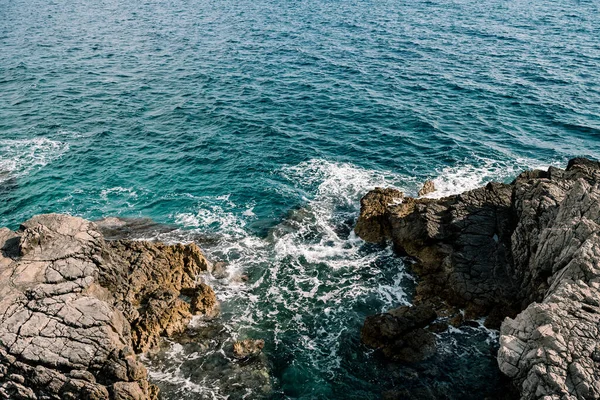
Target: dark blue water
[{"x": 264, "y": 122}]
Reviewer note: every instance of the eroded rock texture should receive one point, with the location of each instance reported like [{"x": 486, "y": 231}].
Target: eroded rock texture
[
  {"x": 74, "y": 308},
  {"x": 400, "y": 333},
  {"x": 530, "y": 251}
]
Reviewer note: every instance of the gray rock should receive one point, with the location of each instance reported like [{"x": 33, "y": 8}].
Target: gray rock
[
  {"x": 72, "y": 308},
  {"x": 528, "y": 251}
]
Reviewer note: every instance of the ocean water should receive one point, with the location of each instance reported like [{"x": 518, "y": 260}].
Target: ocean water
[{"x": 256, "y": 126}]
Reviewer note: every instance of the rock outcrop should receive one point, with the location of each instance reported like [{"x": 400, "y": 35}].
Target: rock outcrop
[
  {"x": 401, "y": 333},
  {"x": 247, "y": 349},
  {"x": 428, "y": 187},
  {"x": 528, "y": 251},
  {"x": 75, "y": 309}
]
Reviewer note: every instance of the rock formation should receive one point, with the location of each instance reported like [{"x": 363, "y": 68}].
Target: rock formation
[
  {"x": 75, "y": 309},
  {"x": 428, "y": 187},
  {"x": 528, "y": 251},
  {"x": 401, "y": 333},
  {"x": 246, "y": 349}
]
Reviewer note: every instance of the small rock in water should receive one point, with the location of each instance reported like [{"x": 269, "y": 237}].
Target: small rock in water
[
  {"x": 204, "y": 301},
  {"x": 428, "y": 187},
  {"x": 248, "y": 348},
  {"x": 219, "y": 270}
]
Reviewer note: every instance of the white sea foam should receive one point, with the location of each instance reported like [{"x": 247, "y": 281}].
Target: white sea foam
[
  {"x": 118, "y": 191},
  {"x": 312, "y": 259},
  {"x": 21, "y": 156},
  {"x": 479, "y": 171},
  {"x": 312, "y": 262}
]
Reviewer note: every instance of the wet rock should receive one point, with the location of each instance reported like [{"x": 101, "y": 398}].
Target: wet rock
[
  {"x": 219, "y": 270},
  {"x": 400, "y": 335},
  {"x": 248, "y": 348},
  {"x": 428, "y": 187},
  {"x": 202, "y": 359},
  {"x": 372, "y": 225},
  {"x": 528, "y": 251},
  {"x": 73, "y": 307},
  {"x": 115, "y": 228}
]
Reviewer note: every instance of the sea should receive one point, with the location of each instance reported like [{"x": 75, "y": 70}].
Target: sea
[{"x": 255, "y": 127}]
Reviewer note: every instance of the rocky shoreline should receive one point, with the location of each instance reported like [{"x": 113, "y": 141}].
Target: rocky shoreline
[
  {"x": 76, "y": 309},
  {"x": 81, "y": 300},
  {"x": 523, "y": 255}
]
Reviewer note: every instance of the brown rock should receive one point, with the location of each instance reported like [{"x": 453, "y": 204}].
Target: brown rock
[
  {"x": 372, "y": 225},
  {"x": 146, "y": 280},
  {"x": 428, "y": 187},
  {"x": 204, "y": 301},
  {"x": 247, "y": 348}
]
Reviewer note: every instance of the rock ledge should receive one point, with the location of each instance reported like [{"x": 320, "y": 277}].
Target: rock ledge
[{"x": 74, "y": 309}]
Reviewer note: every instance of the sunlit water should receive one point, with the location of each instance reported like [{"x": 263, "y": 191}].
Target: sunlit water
[{"x": 255, "y": 128}]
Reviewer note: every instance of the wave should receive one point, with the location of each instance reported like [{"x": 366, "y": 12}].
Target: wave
[
  {"x": 19, "y": 157},
  {"x": 309, "y": 280},
  {"x": 478, "y": 172}
]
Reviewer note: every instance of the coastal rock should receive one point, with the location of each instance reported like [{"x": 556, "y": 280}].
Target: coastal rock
[
  {"x": 428, "y": 187},
  {"x": 528, "y": 251},
  {"x": 248, "y": 348},
  {"x": 147, "y": 280},
  {"x": 463, "y": 246},
  {"x": 552, "y": 348},
  {"x": 400, "y": 333},
  {"x": 74, "y": 307},
  {"x": 372, "y": 225}
]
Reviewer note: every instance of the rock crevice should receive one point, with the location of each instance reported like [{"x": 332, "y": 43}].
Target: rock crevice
[{"x": 75, "y": 309}]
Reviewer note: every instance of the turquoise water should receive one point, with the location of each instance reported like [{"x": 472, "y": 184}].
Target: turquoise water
[{"x": 263, "y": 123}]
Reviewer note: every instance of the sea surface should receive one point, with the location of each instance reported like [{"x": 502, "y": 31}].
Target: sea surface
[{"x": 254, "y": 127}]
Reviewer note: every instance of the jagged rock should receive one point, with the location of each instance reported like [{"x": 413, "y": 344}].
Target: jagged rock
[
  {"x": 428, "y": 187},
  {"x": 551, "y": 348},
  {"x": 462, "y": 243},
  {"x": 529, "y": 246},
  {"x": 204, "y": 301},
  {"x": 400, "y": 333},
  {"x": 372, "y": 225},
  {"x": 73, "y": 307},
  {"x": 247, "y": 348},
  {"x": 146, "y": 280}
]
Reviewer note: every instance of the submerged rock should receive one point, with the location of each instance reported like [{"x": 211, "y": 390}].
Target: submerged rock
[
  {"x": 529, "y": 251},
  {"x": 248, "y": 348},
  {"x": 76, "y": 308}
]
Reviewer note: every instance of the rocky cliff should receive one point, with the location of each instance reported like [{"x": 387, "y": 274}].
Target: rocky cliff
[
  {"x": 75, "y": 309},
  {"x": 524, "y": 254}
]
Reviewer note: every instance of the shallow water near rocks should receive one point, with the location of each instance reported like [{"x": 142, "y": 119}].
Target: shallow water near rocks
[{"x": 255, "y": 127}]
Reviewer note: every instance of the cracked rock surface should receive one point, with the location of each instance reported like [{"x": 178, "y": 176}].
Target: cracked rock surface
[
  {"x": 74, "y": 309},
  {"x": 525, "y": 255}
]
